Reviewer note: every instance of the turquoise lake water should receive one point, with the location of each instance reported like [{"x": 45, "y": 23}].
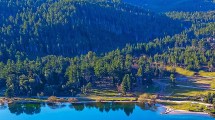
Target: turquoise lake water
[{"x": 89, "y": 111}]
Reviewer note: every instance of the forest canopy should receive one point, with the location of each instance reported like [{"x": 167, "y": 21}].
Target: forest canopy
[
  {"x": 64, "y": 47},
  {"x": 74, "y": 27}
]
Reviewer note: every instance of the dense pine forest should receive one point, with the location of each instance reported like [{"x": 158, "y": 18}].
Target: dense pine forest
[
  {"x": 174, "y": 5},
  {"x": 72, "y": 27},
  {"x": 66, "y": 47}
]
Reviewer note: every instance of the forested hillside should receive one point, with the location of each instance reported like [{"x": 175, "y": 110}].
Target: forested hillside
[
  {"x": 73, "y": 27},
  {"x": 174, "y": 5}
]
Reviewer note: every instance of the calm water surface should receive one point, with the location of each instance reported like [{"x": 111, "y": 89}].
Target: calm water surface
[{"x": 89, "y": 111}]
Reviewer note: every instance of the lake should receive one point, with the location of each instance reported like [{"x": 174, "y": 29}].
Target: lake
[{"x": 90, "y": 111}]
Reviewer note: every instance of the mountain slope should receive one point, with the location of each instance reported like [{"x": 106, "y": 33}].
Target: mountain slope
[{"x": 74, "y": 27}]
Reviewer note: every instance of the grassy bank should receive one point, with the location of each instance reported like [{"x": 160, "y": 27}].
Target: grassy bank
[
  {"x": 188, "y": 106},
  {"x": 113, "y": 98},
  {"x": 71, "y": 99},
  {"x": 180, "y": 70},
  {"x": 186, "y": 72},
  {"x": 207, "y": 74}
]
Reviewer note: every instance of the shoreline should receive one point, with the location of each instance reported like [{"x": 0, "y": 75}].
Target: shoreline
[
  {"x": 175, "y": 112},
  {"x": 165, "y": 109},
  {"x": 78, "y": 100},
  {"x": 170, "y": 111}
]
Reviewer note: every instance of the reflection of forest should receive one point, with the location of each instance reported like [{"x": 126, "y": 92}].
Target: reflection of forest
[
  {"x": 27, "y": 108},
  {"x": 106, "y": 107},
  {"x": 56, "y": 105},
  {"x": 35, "y": 108},
  {"x": 3, "y": 107}
]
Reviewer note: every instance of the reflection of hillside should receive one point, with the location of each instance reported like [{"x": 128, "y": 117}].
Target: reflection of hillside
[
  {"x": 55, "y": 105},
  {"x": 78, "y": 107},
  {"x": 19, "y": 108},
  {"x": 3, "y": 107},
  {"x": 35, "y": 108},
  {"x": 128, "y": 108}
]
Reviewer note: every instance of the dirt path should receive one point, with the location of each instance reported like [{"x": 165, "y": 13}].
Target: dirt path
[{"x": 194, "y": 102}]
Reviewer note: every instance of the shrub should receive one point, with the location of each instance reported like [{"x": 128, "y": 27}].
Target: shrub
[
  {"x": 146, "y": 97},
  {"x": 99, "y": 99},
  {"x": 52, "y": 99},
  {"x": 89, "y": 86}
]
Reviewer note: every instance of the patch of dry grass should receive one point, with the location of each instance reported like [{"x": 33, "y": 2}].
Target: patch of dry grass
[
  {"x": 180, "y": 70},
  {"x": 208, "y": 74},
  {"x": 194, "y": 107}
]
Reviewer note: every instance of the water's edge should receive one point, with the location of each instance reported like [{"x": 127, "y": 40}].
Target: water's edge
[{"x": 161, "y": 108}]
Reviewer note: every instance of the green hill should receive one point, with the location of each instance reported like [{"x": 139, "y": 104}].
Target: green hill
[{"x": 74, "y": 27}]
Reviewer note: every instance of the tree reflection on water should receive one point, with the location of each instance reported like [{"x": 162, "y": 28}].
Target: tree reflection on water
[
  {"x": 35, "y": 108},
  {"x": 56, "y": 105},
  {"x": 3, "y": 107},
  {"x": 26, "y": 108},
  {"x": 128, "y": 108}
]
